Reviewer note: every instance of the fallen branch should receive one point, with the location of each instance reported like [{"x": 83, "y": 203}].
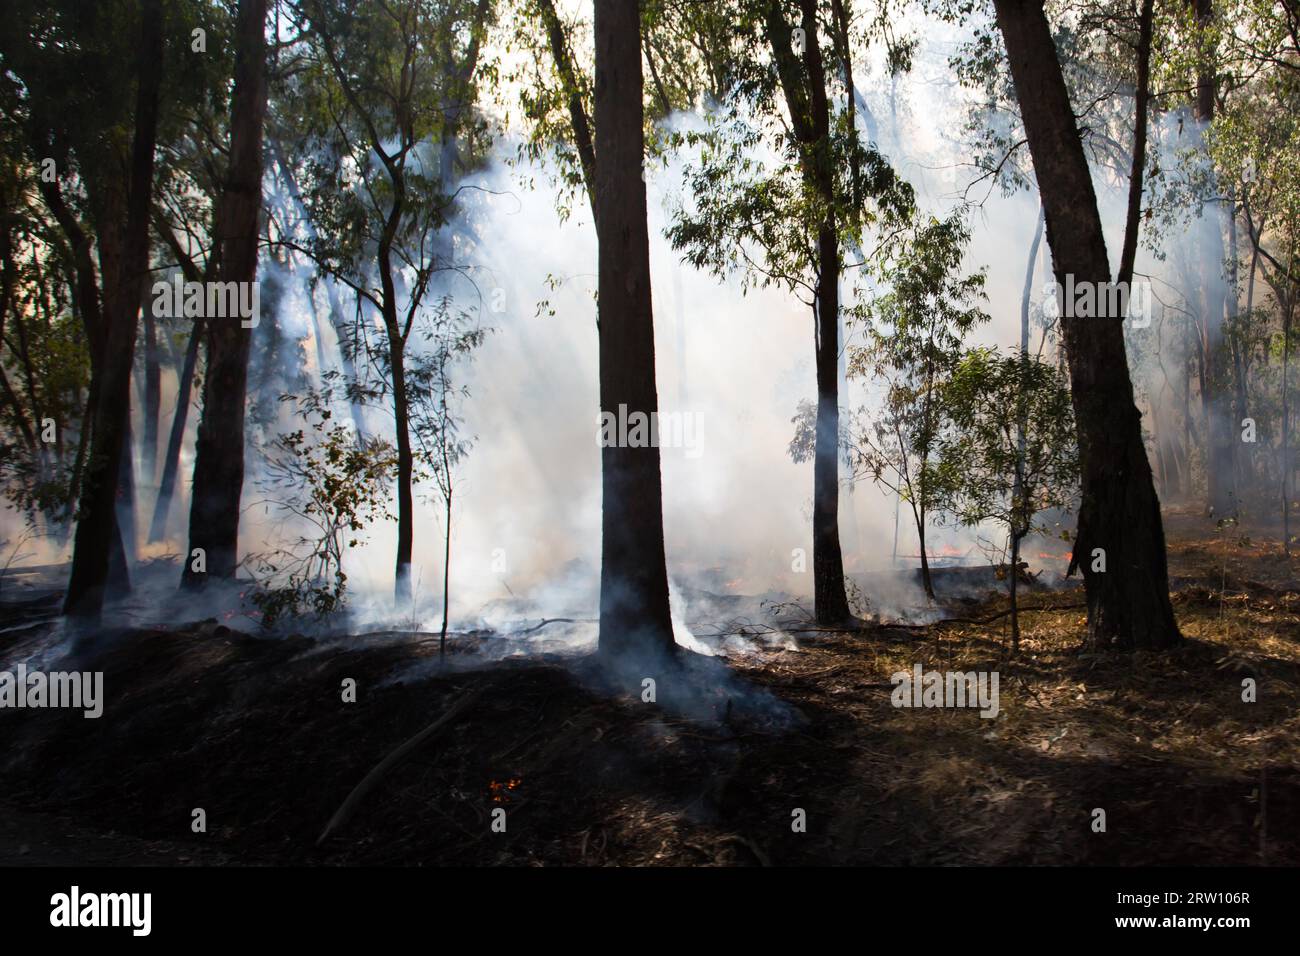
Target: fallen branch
[
  {"x": 552, "y": 620},
  {"x": 993, "y": 617},
  {"x": 346, "y": 809}
]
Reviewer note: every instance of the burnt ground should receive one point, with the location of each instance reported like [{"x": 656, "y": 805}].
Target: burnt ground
[{"x": 254, "y": 731}]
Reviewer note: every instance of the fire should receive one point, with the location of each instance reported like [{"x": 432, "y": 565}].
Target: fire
[
  {"x": 1049, "y": 556},
  {"x": 500, "y": 790}
]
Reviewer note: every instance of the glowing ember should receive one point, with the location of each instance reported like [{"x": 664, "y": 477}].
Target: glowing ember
[{"x": 500, "y": 790}]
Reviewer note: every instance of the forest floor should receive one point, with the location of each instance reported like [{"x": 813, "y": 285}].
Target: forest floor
[{"x": 254, "y": 731}]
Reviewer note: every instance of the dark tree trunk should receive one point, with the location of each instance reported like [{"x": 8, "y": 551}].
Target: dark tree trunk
[
  {"x": 1141, "y": 102},
  {"x": 1014, "y": 589},
  {"x": 219, "y": 451},
  {"x": 804, "y": 88},
  {"x": 96, "y": 534},
  {"x": 125, "y": 506},
  {"x": 152, "y": 395},
  {"x": 405, "y": 467},
  {"x": 1286, "y": 421},
  {"x": 927, "y": 580},
  {"x": 171, "y": 464},
  {"x": 831, "y": 603},
  {"x": 401, "y": 400},
  {"x": 1128, "y": 602},
  {"x": 634, "y": 612}
]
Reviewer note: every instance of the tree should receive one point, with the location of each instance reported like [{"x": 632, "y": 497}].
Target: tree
[
  {"x": 387, "y": 93},
  {"x": 1119, "y": 513},
  {"x": 634, "y": 612},
  {"x": 437, "y": 424},
  {"x": 799, "y": 216},
  {"x": 219, "y": 453},
  {"x": 1010, "y": 453},
  {"x": 124, "y": 255},
  {"x": 915, "y": 334}
]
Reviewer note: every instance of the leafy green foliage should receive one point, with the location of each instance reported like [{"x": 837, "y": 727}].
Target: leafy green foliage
[
  {"x": 755, "y": 202},
  {"x": 331, "y": 485},
  {"x": 914, "y": 336},
  {"x": 1011, "y": 451}
]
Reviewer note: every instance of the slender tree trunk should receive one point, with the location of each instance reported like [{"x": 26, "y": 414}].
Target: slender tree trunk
[
  {"x": 1286, "y": 421},
  {"x": 1141, "y": 103},
  {"x": 176, "y": 438},
  {"x": 1022, "y": 426},
  {"x": 1014, "y": 589},
  {"x": 126, "y": 504},
  {"x": 1119, "y": 514},
  {"x": 918, "y": 514},
  {"x": 152, "y": 395},
  {"x": 97, "y": 532},
  {"x": 446, "y": 573},
  {"x": 219, "y": 450},
  {"x": 405, "y": 470},
  {"x": 923, "y": 460},
  {"x": 634, "y": 614}
]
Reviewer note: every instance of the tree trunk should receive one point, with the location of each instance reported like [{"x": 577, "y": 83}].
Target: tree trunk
[
  {"x": 1014, "y": 589},
  {"x": 1119, "y": 514},
  {"x": 927, "y": 582},
  {"x": 634, "y": 614},
  {"x": 446, "y": 570},
  {"x": 809, "y": 110},
  {"x": 1022, "y": 427},
  {"x": 219, "y": 451},
  {"x": 1286, "y": 421},
  {"x": 1141, "y": 102},
  {"x": 125, "y": 505},
  {"x": 171, "y": 464},
  {"x": 405, "y": 469},
  {"x": 96, "y": 534},
  {"x": 152, "y": 395},
  {"x": 830, "y": 601}
]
